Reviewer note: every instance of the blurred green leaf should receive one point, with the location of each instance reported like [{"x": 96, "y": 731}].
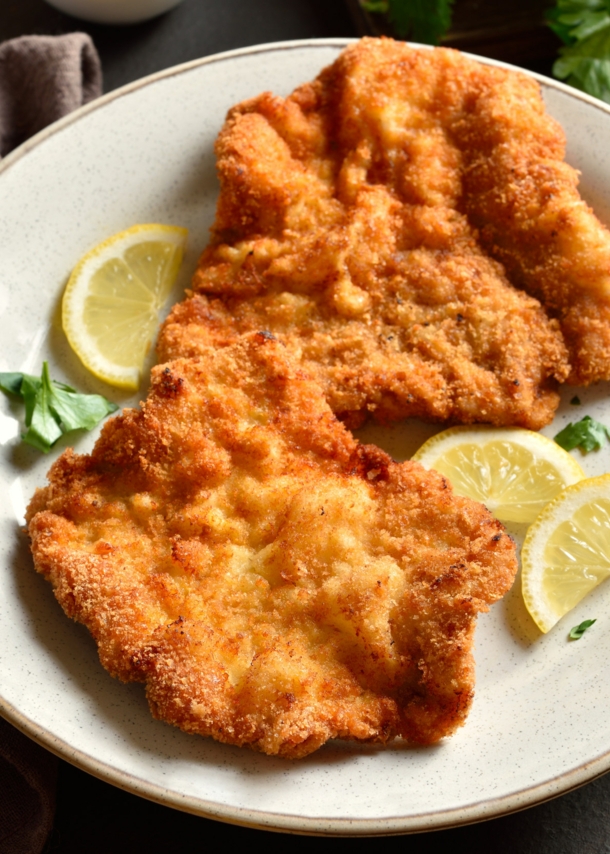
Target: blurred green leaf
[
  {"x": 424, "y": 21},
  {"x": 584, "y": 62}
]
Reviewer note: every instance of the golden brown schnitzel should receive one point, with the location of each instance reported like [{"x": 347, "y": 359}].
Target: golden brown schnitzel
[
  {"x": 275, "y": 583},
  {"x": 359, "y": 221},
  {"x": 522, "y": 196}
]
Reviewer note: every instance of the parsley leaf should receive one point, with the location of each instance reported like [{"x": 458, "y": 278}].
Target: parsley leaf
[
  {"x": 379, "y": 6},
  {"x": 575, "y": 401},
  {"x": 43, "y": 430},
  {"x": 587, "y": 434},
  {"x": 11, "y": 383},
  {"x": 584, "y": 27},
  {"x": 578, "y": 631},
  {"x": 419, "y": 20},
  {"x": 576, "y": 19},
  {"x": 52, "y": 408}
]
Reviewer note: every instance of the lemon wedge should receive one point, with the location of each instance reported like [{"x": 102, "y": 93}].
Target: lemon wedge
[
  {"x": 514, "y": 472},
  {"x": 566, "y": 552},
  {"x": 112, "y": 300}
]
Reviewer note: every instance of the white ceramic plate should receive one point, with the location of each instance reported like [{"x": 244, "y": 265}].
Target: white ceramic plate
[{"x": 540, "y": 724}]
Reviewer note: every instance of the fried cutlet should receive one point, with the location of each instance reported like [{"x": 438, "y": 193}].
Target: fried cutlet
[
  {"x": 523, "y": 197},
  {"x": 343, "y": 227},
  {"x": 272, "y": 581}
]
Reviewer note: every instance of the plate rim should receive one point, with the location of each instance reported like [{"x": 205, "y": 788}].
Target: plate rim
[
  {"x": 266, "y": 47},
  {"x": 264, "y": 819},
  {"x": 483, "y": 810}
]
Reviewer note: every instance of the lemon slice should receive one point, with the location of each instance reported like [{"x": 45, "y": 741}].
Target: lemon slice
[
  {"x": 514, "y": 472},
  {"x": 111, "y": 303},
  {"x": 566, "y": 552}
]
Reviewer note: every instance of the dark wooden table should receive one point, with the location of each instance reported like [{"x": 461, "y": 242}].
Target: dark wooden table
[{"x": 96, "y": 818}]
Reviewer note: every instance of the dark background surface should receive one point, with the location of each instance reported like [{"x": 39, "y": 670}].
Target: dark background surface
[{"x": 96, "y": 818}]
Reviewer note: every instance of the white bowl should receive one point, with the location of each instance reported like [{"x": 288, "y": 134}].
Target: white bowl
[{"x": 114, "y": 11}]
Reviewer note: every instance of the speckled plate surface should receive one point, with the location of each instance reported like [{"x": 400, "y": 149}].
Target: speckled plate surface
[{"x": 539, "y": 725}]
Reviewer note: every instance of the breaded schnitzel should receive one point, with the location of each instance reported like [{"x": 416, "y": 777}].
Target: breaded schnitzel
[
  {"x": 523, "y": 197},
  {"x": 273, "y": 582},
  {"x": 344, "y": 227}
]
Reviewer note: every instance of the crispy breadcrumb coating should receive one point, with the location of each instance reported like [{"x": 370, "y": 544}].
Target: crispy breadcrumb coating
[
  {"x": 344, "y": 227},
  {"x": 273, "y": 582},
  {"x": 523, "y": 197}
]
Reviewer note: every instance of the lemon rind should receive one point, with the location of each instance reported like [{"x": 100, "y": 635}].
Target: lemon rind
[
  {"x": 76, "y": 293},
  {"x": 453, "y": 436},
  {"x": 443, "y": 443},
  {"x": 559, "y": 510}
]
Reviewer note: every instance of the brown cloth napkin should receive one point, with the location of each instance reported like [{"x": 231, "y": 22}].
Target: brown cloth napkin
[{"x": 41, "y": 79}]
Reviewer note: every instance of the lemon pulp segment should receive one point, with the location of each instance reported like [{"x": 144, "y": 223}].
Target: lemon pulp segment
[
  {"x": 113, "y": 297},
  {"x": 566, "y": 552},
  {"x": 514, "y": 472}
]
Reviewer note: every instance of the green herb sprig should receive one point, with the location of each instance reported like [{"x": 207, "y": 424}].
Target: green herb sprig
[
  {"x": 587, "y": 434},
  {"x": 578, "y": 631},
  {"x": 424, "y": 21},
  {"x": 584, "y": 28},
  {"x": 52, "y": 408}
]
